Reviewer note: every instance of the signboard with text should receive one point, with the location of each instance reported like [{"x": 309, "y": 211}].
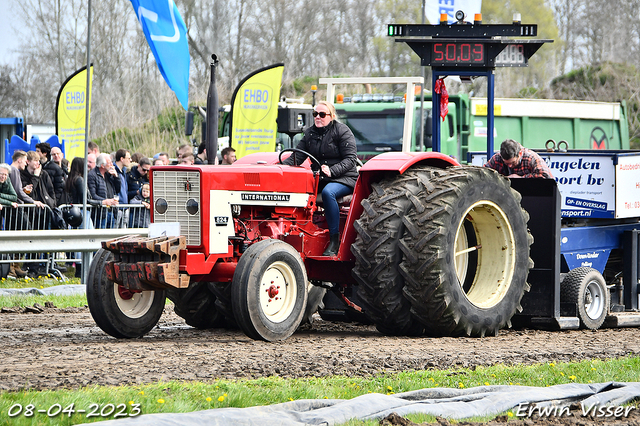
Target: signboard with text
[
  {"x": 598, "y": 185},
  {"x": 254, "y": 109},
  {"x": 628, "y": 186},
  {"x": 71, "y": 111}
]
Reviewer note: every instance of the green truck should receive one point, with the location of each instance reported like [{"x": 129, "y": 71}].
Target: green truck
[
  {"x": 378, "y": 121},
  {"x": 378, "y": 125}
]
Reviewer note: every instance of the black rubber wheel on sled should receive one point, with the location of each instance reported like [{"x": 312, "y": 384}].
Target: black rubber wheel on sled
[{"x": 587, "y": 288}]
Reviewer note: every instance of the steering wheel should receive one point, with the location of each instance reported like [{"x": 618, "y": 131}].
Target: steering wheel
[{"x": 294, "y": 150}]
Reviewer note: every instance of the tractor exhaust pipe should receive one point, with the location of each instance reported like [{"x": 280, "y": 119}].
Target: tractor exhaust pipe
[{"x": 212, "y": 115}]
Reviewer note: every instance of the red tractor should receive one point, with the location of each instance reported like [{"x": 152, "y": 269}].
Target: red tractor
[{"x": 427, "y": 247}]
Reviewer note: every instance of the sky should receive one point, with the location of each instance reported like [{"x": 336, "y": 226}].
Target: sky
[{"x": 9, "y": 40}]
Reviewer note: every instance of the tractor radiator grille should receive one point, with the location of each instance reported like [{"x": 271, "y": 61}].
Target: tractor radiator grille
[
  {"x": 179, "y": 188},
  {"x": 252, "y": 179}
]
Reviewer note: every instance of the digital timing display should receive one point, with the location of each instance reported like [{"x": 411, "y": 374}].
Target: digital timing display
[
  {"x": 511, "y": 56},
  {"x": 458, "y": 54}
]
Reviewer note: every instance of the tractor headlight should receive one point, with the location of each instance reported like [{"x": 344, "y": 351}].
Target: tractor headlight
[
  {"x": 161, "y": 206},
  {"x": 192, "y": 206}
]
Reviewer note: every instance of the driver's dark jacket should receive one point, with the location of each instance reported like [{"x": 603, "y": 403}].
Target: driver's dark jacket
[{"x": 333, "y": 145}]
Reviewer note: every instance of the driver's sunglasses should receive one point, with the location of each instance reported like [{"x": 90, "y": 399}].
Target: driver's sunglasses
[{"x": 322, "y": 114}]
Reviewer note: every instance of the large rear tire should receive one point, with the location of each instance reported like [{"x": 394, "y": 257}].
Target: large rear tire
[
  {"x": 269, "y": 291},
  {"x": 117, "y": 311},
  {"x": 377, "y": 253},
  {"x": 586, "y": 288},
  {"x": 196, "y": 305},
  {"x": 467, "y": 254}
]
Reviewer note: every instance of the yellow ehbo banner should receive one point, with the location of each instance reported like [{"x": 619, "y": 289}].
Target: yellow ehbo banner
[
  {"x": 254, "y": 110},
  {"x": 71, "y": 110}
]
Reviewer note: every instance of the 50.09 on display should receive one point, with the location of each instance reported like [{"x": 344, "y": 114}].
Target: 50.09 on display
[
  {"x": 476, "y": 54},
  {"x": 458, "y": 53}
]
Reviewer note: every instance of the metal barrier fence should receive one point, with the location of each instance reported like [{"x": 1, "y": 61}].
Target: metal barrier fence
[{"x": 29, "y": 235}]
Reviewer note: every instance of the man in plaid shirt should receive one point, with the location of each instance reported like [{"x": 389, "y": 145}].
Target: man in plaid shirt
[{"x": 516, "y": 161}]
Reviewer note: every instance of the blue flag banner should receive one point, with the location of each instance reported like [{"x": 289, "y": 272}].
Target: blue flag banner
[{"x": 167, "y": 36}]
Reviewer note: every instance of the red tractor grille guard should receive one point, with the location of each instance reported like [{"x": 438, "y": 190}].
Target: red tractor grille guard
[{"x": 145, "y": 263}]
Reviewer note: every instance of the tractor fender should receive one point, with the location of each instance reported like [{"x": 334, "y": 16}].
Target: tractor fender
[
  {"x": 376, "y": 169},
  {"x": 401, "y": 161}
]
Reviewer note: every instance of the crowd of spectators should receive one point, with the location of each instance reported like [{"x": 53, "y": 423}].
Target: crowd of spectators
[{"x": 38, "y": 184}]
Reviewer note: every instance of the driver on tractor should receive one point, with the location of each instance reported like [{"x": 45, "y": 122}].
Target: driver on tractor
[{"x": 334, "y": 145}]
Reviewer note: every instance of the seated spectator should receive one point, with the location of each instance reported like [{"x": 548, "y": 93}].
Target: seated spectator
[
  {"x": 93, "y": 148},
  {"x": 201, "y": 157},
  {"x": 141, "y": 217},
  {"x": 158, "y": 162},
  {"x": 19, "y": 164},
  {"x": 37, "y": 181},
  {"x": 181, "y": 151},
  {"x": 138, "y": 176},
  {"x": 136, "y": 156},
  {"x": 122, "y": 163},
  {"x": 55, "y": 172},
  {"x": 104, "y": 183},
  {"x": 228, "y": 156},
  {"x": 8, "y": 197},
  {"x": 58, "y": 157},
  {"x": 91, "y": 161},
  {"x": 187, "y": 160}
]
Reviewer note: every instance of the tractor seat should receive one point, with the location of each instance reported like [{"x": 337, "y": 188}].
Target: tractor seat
[
  {"x": 342, "y": 201},
  {"x": 346, "y": 200}
]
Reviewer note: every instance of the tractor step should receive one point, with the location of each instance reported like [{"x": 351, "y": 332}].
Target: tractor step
[{"x": 145, "y": 263}]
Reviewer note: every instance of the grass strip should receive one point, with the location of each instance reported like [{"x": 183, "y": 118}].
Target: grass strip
[
  {"x": 61, "y": 406},
  {"x": 24, "y": 300}
]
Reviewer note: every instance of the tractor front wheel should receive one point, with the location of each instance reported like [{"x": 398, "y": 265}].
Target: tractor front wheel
[
  {"x": 120, "y": 312},
  {"x": 269, "y": 291}
]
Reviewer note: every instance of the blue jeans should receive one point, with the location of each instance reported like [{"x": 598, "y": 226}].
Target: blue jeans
[{"x": 330, "y": 193}]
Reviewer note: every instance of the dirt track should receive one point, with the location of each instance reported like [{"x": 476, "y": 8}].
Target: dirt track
[{"x": 65, "y": 349}]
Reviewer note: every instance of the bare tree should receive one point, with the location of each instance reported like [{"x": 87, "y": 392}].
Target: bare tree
[
  {"x": 313, "y": 39},
  {"x": 594, "y": 31},
  {"x": 211, "y": 25},
  {"x": 391, "y": 58},
  {"x": 11, "y": 96}
]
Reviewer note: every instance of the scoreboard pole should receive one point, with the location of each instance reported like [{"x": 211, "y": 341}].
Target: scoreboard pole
[
  {"x": 435, "y": 107},
  {"x": 465, "y": 49}
]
